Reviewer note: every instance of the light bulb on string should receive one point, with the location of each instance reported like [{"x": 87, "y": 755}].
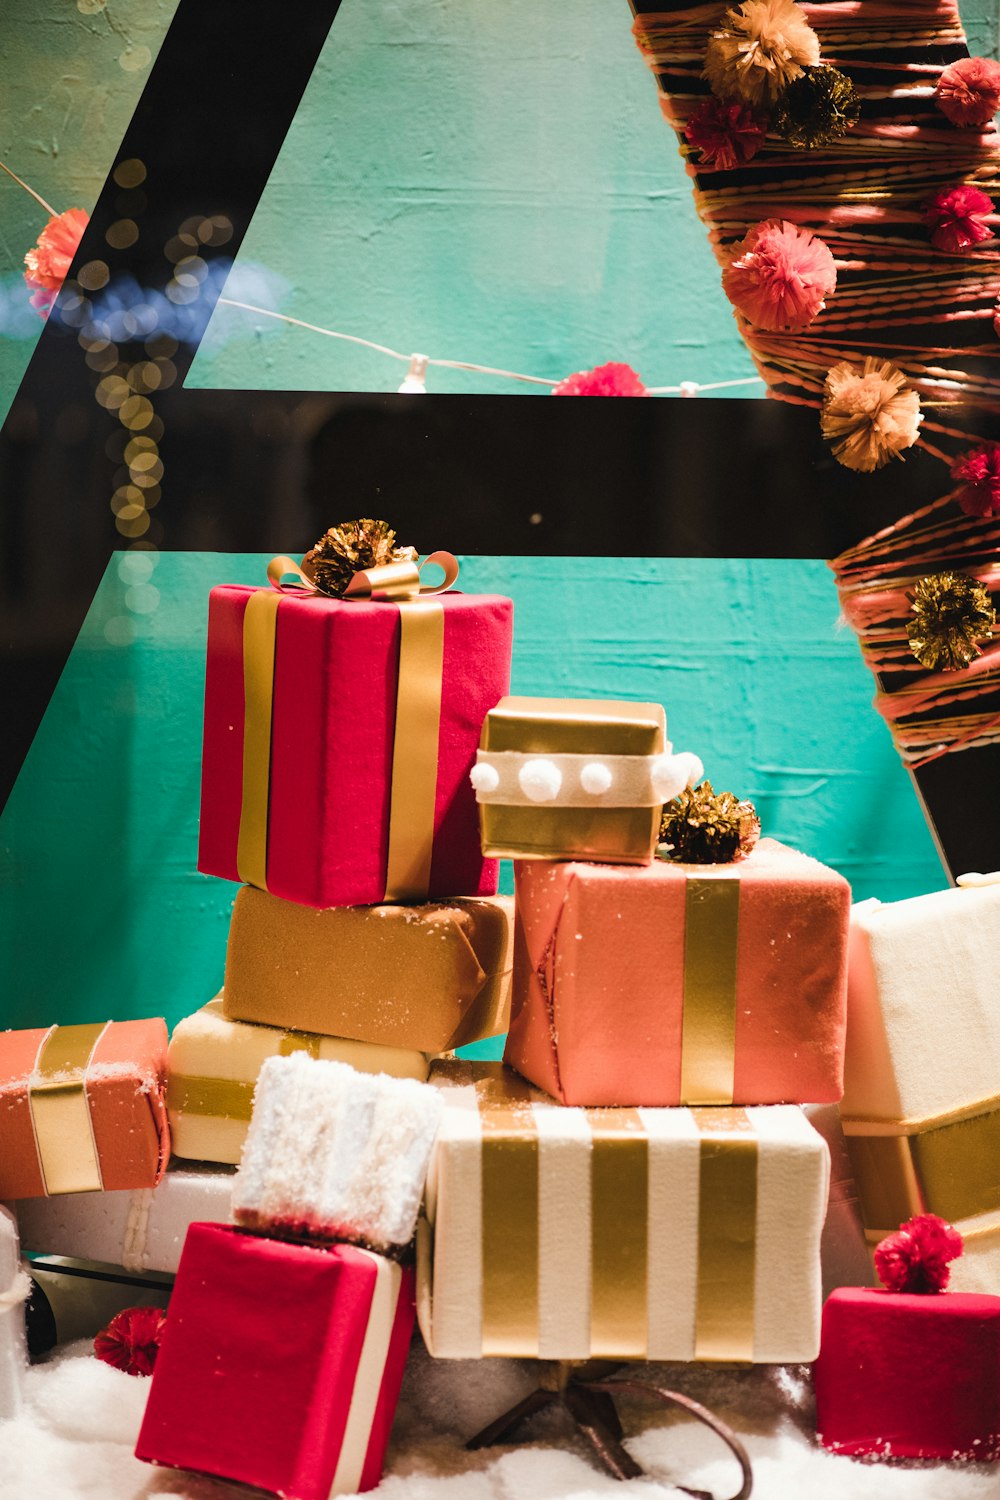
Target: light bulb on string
[{"x": 415, "y": 379}]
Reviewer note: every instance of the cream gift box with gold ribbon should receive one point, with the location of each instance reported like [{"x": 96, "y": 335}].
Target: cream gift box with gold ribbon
[
  {"x": 921, "y": 1106},
  {"x": 212, "y": 1068},
  {"x": 569, "y": 1234}
]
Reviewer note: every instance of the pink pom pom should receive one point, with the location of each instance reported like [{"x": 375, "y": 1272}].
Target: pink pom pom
[
  {"x": 915, "y": 1258},
  {"x": 955, "y": 218},
  {"x": 978, "y": 471},
  {"x": 605, "y": 380},
  {"x": 780, "y": 276},
  {"x": 968, "y": 91},
  {"x": 726, "y": 132}
]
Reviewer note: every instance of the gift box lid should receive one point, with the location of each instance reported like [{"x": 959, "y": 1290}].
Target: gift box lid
[{"x": 575, "y": 726}]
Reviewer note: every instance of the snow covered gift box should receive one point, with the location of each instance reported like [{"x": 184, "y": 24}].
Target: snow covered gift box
[
  {"x": 212, "y": 1068},
  {"x": 574, "y": 778},
  {"x": 340, "y": 731},
  {"x": 423, "y": 978},
  {"x": 14, "y": 1289},
  {"x": 681, "y": 983},
  {"x": 280, "y": 1364},
  {"x": 142, "y": 1230},
  {"x": 662, "y": 1234},
  {"x": 910, "y": 1370},
  {"x": 82, "y": 1108},
  {"x": 921, "y": 1106}
]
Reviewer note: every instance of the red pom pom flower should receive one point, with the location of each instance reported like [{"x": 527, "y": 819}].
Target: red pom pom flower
[
  {"x": 51, "y": 258},
  {"x": 978, "y": 472},
  {"x": 131, "y": 1340},
  {"x": 956, "y": 217},
  {"x": 915, "y": 1258},
  {"x": 780, "y": 276},
  {"x": 968, "y": 91},
  {"x": 606, "y": 380},
  {"x": 726, "y": 132}
]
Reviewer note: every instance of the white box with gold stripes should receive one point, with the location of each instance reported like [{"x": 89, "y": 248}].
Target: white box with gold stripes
[
  {"x": 667, "y": 1234},
  {"x": 212, "y": 1068}
]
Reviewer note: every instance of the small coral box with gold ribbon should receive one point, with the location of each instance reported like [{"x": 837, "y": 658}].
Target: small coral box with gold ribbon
[
  {"x": 83, "y": 1108},
  {"x": 340, "y": 733},
  {"x": 571, "y": 1234}
]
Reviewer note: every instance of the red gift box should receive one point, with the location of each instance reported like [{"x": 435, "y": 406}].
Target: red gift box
[
  {"x": 317, "y": 716},
  {"x": 909, "y": 1375},
  {"x": 83, "y": 1108},
  {"x": 280, "y": 1365}
]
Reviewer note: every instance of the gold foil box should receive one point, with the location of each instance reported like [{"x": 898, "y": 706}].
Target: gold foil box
[
  {"x": 567, "y": 1234},
  {"x": 567, "y": 738}
]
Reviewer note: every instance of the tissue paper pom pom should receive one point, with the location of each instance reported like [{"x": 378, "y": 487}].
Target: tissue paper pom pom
[
  {"x": 780, "y": 276},
  {"x": 350, "y": 548},
  {"x": 484, "y": 777},
  {"x": 869, "y": 413},
  {"x": 606, "y": 380},
  {"x": 817, "y": 108},
  {"x": 955, "y": 218},
  {"x": 540, "y": 780},
  {"x": 131, "y": 1340},
  {"x": 764, "y": 45},
  {"x": 978, "y": 472},
  {"x": 951, "y": 615},
  {"x": 726, "y": 132},
  {"x": 595, "y": 779},
  {"x": 968, "y": 91},
  {"x": 915, "y": 1258},
  {"x": 703, "y": 827},
  {"x": 50, "y": 259}
]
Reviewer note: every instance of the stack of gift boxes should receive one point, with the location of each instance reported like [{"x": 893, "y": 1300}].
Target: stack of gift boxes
[{"x": 637, "y": 1179}]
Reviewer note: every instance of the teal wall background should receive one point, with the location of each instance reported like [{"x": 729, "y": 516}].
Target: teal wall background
[{"x": 103, "y": 911}]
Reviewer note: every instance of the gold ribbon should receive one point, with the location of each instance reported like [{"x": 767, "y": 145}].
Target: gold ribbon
[
  {"x": 60, "y": 1110},
  {"x": 417, "y": 725},
  {"x": 727, "y": 1235},
  {"x": 509, "y": 1216},
  {"x": 708, "y": 1039},
  {"x": 619, "y": 1234},
  {"x": 948, "y": 1165},
  {"x": 230, "y": 1098}
]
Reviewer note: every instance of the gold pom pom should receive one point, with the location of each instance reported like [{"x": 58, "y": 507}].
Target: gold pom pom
[
  {"x": 817, "y": 108},
  {"x": 869, "y": 413},
  {"x": 952, "y": 613},
  {"x": 762, "y": 48},
  {"x": 350, "y": 548},
  {"x": 703, "y": 827}
]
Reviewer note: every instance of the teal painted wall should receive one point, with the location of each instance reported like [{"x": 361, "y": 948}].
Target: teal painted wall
[{"x": 103, "y": 912}]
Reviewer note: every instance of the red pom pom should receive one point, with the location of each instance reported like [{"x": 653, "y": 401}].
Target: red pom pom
[
  {"x": 978, "y": 471},
  {"x": 131, "y": 1340},
  {"x": 726, "y": 132},
  {"x": 955, "y": 218},
  {"x": 968, "y": 91},
  {"x": 780, "y": 276},
  {"x": 605, "y": 380},
  {"x": 915, "y": 1258}
]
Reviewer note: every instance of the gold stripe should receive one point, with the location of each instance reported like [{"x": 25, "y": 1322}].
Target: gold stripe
[
  {"x": 727, "y": 1234},
  {"x": 415, "y": 750},
  {"x": 708, "y": 1049},
  {"x": 619, "y": 1183},
  {"x": 60, "y": 1110},
  {"x": 952, "y": 1170},
  {"x": 225, "y": 1098},
  {"x": 300, "y": 1041},
  {"x": 509, "y": 1227},
  {"x": 259, "y": 627}
]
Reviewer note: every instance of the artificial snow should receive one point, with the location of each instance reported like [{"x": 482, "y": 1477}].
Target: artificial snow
[{"x": 75, "y": 1435}]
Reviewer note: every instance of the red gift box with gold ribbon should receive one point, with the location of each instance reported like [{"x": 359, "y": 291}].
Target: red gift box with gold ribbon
[
  {"x": 83, "y": 1108},
  {"x": 340, "y": 732}
]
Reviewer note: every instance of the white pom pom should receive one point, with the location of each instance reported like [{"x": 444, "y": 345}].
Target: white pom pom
[
  {"x": 667, "y": 774},
  {"x": 694, "y": 770},
  {"x": 595, "y": 778},
  {"x": 484, "y": 777},
  {"x": 540, "y": 780}
]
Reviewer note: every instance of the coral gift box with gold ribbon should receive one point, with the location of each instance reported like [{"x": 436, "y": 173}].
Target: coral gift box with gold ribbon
[
  {"x": 82, "y": 1108},
  {"x": 682, "y": 983},
  {"x": 340, "y": 733},
  {"x": 567, "y": 1234}
]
